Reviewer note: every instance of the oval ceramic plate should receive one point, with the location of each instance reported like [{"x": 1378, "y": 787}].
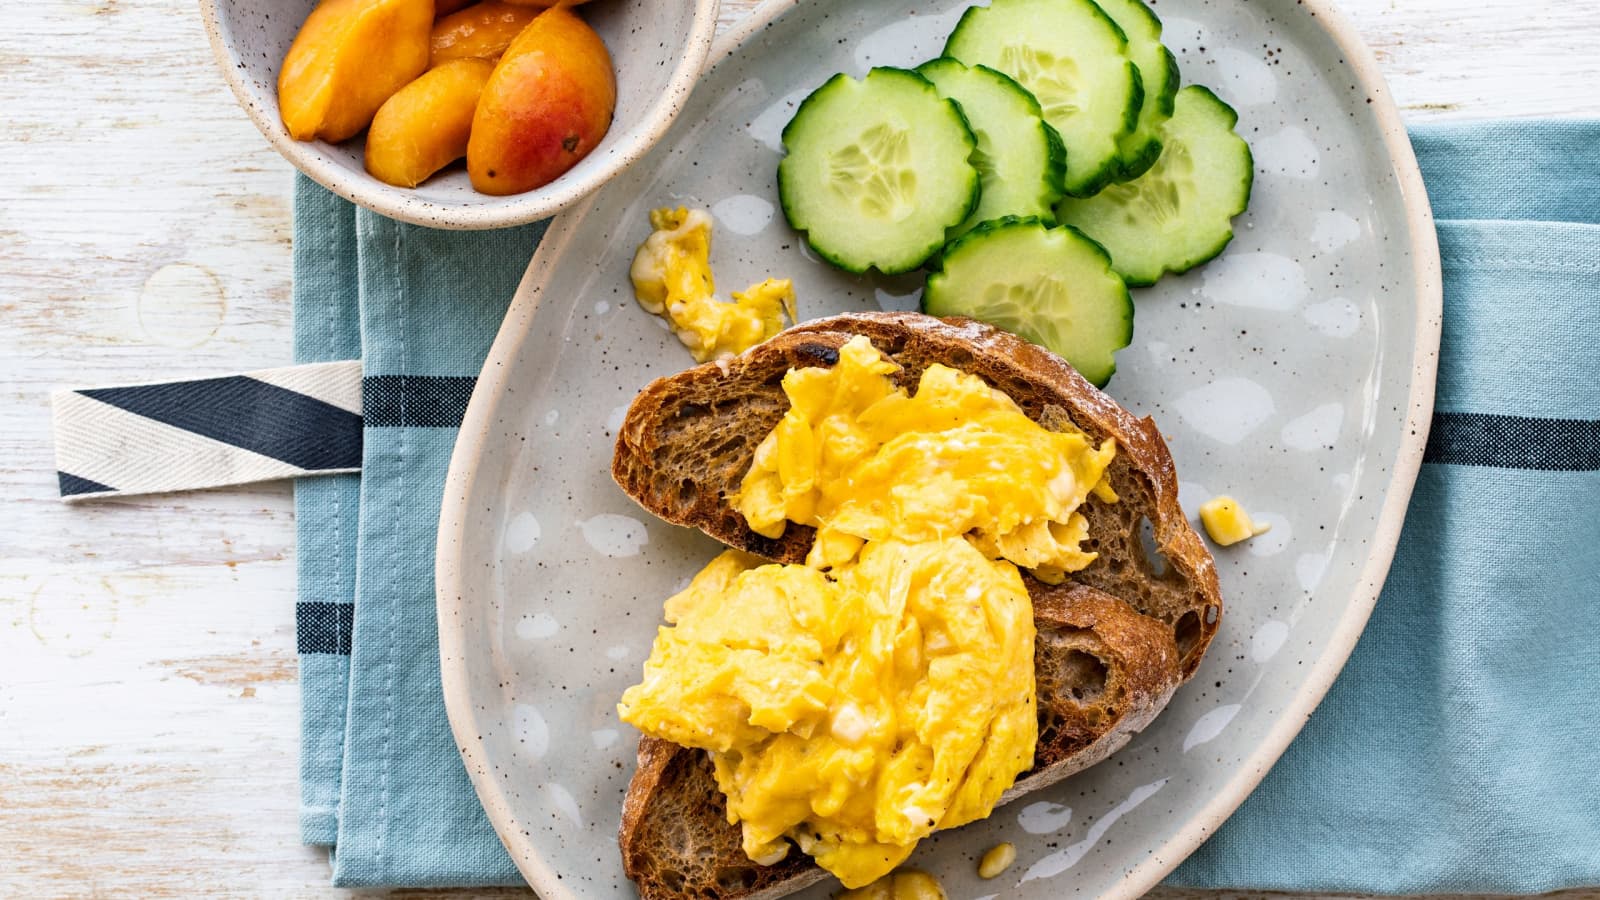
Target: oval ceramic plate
[{"x": 1295, "y": 372}]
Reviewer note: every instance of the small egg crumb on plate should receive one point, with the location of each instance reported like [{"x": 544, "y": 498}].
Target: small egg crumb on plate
[
  {"x": 901, "y": 884},
  {"x": 672, "y": 278},
  {"x": 1227, "y": 523},
  {"x": 998, "y": 859}
]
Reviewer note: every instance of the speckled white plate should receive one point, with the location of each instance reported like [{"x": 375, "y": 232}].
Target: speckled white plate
[{"x": 1296, "y": 372}]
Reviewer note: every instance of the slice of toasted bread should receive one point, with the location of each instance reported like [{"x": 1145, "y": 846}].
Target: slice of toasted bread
[
  {"x": 1113, "y": 642},
  {"x": 1103, "y": 672}
]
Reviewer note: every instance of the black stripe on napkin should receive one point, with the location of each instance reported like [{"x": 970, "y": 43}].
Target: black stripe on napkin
[
  {"x": 416, "y": 401},
  {"x": 71, "y": 485},
  {"x": 323, "y": 627},
  {"x": 1514, "y": 442},
  {"x": 252, "y": 415}
]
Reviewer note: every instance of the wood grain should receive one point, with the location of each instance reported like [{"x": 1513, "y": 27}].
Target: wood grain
[{"x": 148, "y": 705}]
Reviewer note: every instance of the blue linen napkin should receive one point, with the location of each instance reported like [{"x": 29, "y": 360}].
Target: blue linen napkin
[
  {"x": 327, "y": 328},
  {"x": 1460, "y": 748},
  {"x": 1459, "y": 751},
  {"x": 381, "y": 778}
]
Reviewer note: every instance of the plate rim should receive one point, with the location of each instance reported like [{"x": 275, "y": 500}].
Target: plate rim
[{"x": 1428, "y": 289}]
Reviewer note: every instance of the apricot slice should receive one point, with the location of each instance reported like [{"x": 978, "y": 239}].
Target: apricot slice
[
  {"x": 349, "y": 57},
  {"x": 548, "y": 103},
  {"x": 424, "y": 126},
  {"x": 483, "y": 31}
]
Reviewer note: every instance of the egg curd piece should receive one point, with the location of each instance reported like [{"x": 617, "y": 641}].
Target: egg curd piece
[
  {"x": 672, "y": 278},
  {"x": 861, "y": 461},
  {"x": 852, "y": 712}
]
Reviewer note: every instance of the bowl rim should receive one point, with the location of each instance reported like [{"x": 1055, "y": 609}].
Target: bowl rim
[
  {"x": 483, "y": 411},
  {"x": 517, "y": 209}
]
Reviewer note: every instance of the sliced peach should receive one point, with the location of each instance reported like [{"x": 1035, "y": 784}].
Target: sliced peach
[
  {"x": 546, "y": 3},
  {"x": 349, "y": 57},
  {"x": 424, "y": 126},
  {"x": 548, "y": 103},
  {"x": 443, "y": 8},
  {"x": 483, "y": 31}
]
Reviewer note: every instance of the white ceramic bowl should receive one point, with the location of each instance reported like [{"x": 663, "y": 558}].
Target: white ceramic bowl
[{"x": 657, "y": 46}]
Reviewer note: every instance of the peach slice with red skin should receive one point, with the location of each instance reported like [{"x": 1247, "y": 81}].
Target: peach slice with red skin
[{"x": 547, "y": 105}]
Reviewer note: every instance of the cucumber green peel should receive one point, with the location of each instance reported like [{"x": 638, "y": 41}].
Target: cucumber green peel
[
  {"x": 1158, "y": 73},
  {"x": 1179, "y": 214},
  {"x": 876, "y": 170},
  {"x": 1074, "y": 59},
  {"x": 1052, "y": 286},
  {"x": 1019, "y": 157}
]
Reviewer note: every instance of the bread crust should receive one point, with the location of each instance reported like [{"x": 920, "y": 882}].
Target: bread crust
[{"x": 1114, "y": 642}]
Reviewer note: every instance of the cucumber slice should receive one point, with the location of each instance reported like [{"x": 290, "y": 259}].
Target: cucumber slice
[
  {"x": 1158, "y": 72},
  {"x": 1052, "y": 286},
  {"x": 877, "y": 170},
  {"x": 1019, "y": 157},
  {"x": 1075, "y": 61},
  {"x": 1179, "y": 214}
]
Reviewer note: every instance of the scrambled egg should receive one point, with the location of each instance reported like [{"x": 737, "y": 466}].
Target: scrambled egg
[
  {"x": 884, "y": 689},
  {"x": 1227, "y": 523},
  {"x": 672, "y": 278},
  {"x": 853, "y": 712},
  {"x": 862, "y": 461}
]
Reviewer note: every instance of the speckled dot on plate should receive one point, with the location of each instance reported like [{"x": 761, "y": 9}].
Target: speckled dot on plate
[
  {"x": 654, "y": 80},
  {"x": 1296, "y": 374}
]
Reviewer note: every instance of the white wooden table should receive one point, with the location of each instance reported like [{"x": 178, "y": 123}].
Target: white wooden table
[{"x": 148, "y": 696}]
